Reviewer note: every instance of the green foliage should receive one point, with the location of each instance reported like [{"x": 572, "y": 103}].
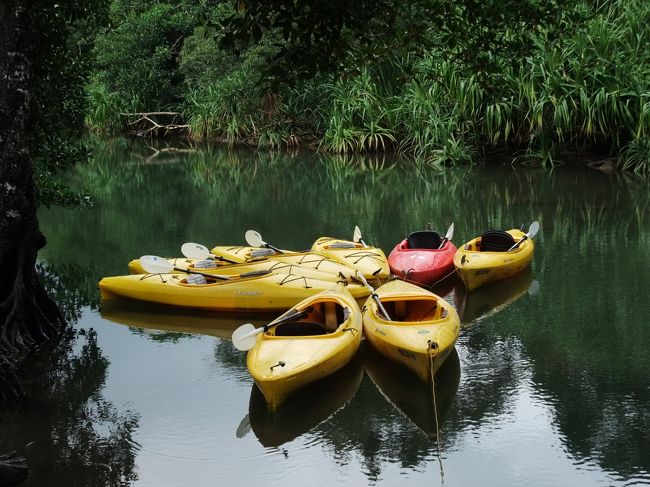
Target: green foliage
[
  {"x": 137, "y": 56},
  {"x": 62, "y": 67},
  {"x": 442, "y": 82},
  {"x": 358, "y": 119}
]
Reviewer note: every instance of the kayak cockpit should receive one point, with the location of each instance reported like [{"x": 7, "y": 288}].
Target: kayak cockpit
[
  {"x": 492, "y": 241},
  {"x": 413, "y": 310},
  {"x": 424, "y": 239},
  {"x": 321, "y": 318}
]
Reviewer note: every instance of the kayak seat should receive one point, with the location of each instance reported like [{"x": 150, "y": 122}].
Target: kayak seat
[
  {"x": 299, "y": 328},
  {"x": 196, "y": 280},
  {"x": 342, "y": 245},
  {"x": 425, "y": 239},
  {"x": 496, "y": 241}
]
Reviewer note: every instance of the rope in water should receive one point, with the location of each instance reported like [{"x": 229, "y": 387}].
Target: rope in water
[
  {"x": 442, "y": 278},
  {"x": 431, "y": 360}
]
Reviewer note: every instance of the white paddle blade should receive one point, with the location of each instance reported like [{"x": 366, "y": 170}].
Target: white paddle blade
[
  {"x": 534, "y": 228},
  {"x": 244, "y": 337},
  {"x": 254, "y": 239},
  {"x": 357, "y": 234},
  {"x": 450, "y": 232},
  {"x": 155, "y": 265},
  {"x": 193, "y": 250}
]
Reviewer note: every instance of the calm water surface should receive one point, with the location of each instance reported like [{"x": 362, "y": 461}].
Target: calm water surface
[{"x": 550, "y": 384}]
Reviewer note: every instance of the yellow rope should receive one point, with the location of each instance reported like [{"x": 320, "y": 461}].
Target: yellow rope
[{"x": 432, "y": 359}]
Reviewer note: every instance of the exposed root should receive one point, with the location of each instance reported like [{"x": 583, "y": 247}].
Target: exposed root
[{"x": 13, "y": 469}]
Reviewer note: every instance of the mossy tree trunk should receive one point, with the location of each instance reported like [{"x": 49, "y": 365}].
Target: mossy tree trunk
[{"x": 28, "y": 317}]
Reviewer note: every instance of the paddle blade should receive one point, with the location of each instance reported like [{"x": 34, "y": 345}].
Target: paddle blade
[
  {"x": 450, "y": 232},
  {"x": 244, "y": 427},
  {"x": 244, "y": 337},
  {"x": 155, "y": 265},
  {"x": 254, "y": 239},
  {"x": 193, "y": 250},
  {"x": 357, "y": 234},
  {"x": 534, "y": 228}
]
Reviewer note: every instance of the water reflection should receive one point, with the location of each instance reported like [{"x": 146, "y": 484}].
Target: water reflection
[
  {"x": 484, "y": 302},
  {"x": 305, "y": 409},
  {"x": 69, "y": 433},
  {"x": 410, "y": 396},
  {"x": 168, "y": 323},
  {"x": 580, "y": 342}
]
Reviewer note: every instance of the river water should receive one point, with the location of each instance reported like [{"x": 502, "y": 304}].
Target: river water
[{"x": 549, "y": 386}]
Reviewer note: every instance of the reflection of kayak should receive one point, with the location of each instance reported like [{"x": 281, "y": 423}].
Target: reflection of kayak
[
  {"x": 420, "y": 259},
  {"x": 323, "y": 338},
  {"x": 422, "y": 331},
  {"x": 486, "y": 301},
  {"x": 486, "y": 258},
  {"x": 218, "y": 268},
  {"x": 152, "y": 316},
  {"x": 306, "y": 408},
  {"x": 412, "y": 397},
  {"x": 266, "y": 292},
  {"x": 304, "y": 259},
  {"x": 370, "y": 261}
]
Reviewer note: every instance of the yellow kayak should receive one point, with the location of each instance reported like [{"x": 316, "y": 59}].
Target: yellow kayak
[
  {"x": 240, "y": 293},
  {"x": 290, "y": 355},
  {"x": 477, "y": 266},
  {"x": 309, "y": 260},
  {"x": 422, "y": 331},
  {"x": 370, "y": 261},
  {"x": 306, "y": 408},
  {"x": 217, "y": 268}
]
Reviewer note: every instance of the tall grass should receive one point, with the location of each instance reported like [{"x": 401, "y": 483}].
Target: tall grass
[{"x": 587, "y": 92}]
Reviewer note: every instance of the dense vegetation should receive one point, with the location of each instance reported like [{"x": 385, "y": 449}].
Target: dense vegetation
[{"x": 446, "y": 82}]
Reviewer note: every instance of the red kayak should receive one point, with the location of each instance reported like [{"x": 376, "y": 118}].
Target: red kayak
[{"x": 420, "y": 258}]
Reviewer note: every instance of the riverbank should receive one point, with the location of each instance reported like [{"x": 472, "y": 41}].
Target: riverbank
[{"x": 587, "y": 91}]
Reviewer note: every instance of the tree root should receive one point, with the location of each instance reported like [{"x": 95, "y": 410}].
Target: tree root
[{"x": 13, "y": 469}]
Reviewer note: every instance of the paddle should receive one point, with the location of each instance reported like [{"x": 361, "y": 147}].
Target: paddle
[
  {"x": 254, "y": 239},
  {"x": 448, "y": 236},
  {"x": 357, "y": 236},
  {"x": 193, "y": 250},
  {"x": 157, "y": 265},
  {"x": 532, "y": 231},
  {"x": 244, "y": 337},
  {"x": 374, "y": 295}
]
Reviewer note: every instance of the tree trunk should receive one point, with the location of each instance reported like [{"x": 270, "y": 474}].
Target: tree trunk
[{"x": 28, "y": 317}]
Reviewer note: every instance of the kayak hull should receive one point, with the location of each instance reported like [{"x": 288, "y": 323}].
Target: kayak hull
[
  {"x": 275, "y": 266},
  {"x": 425, "y": 266},
  {"x": 476, "y": 268},
  {"x": 308, "y": 260},
  {"x": 281, "y": 365},
  {"x": 270, "y": 292},
  {"x": 370, "y": 261},
  {"x": 422, "y": 331}
]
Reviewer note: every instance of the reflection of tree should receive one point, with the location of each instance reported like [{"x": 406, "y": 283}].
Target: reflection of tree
[
  {"x": 68, "y": 432},
  {"x": 372, "y": 427}
]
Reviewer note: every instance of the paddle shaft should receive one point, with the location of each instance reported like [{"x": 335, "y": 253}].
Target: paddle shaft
[
  {"x": 257, "y": 331},
  {"x": 525, "y": 237},
  {"x": 222, "y": 259},
  {"x": 374, "y": 296},
  {"x": 204, "y": 274},
  {"x": 269, "y": 246}
]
